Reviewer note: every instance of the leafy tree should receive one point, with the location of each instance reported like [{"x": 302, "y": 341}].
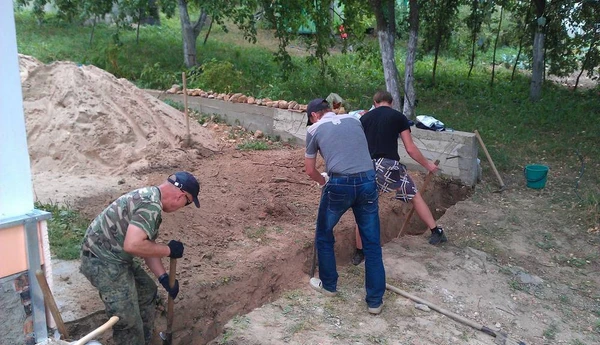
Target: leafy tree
[
  {"x": 440, "y": 17},
  {"x": 241, "y": 12},
  {"x": 480, "y": 10}
]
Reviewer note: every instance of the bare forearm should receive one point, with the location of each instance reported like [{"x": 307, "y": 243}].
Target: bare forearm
[
  {"x": 312, "y": 172},
  {"x": 418, "y": 157},
  {"x": 315, "y": 175},
  {"x": 155, "y": 265},
  {"x": 147, "y": 249}
]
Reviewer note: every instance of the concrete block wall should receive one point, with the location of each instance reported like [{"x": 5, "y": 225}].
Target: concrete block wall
[{"x": 457, "y": 151}]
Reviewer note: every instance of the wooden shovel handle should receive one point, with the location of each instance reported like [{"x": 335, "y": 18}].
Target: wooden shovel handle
[
  {"x": 171, "y": 303},
  {"x": 437, "y": 308},
  {"x": 108, "y": 324},
  {"x": 412, "y": 209},
  {"x": 51, "y": 303},
  {"x": 489, "y": 158}
]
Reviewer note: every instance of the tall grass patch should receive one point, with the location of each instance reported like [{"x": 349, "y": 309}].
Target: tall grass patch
[{"x": 65, "y": 230}]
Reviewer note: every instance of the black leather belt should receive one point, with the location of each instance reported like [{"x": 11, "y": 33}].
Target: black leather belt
[
  {"x": 360, "y": 174},
  {"x": 88, "y": 254}
]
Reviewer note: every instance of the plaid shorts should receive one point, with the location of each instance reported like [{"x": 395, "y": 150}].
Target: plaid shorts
[{"x": 392, "y": 176}]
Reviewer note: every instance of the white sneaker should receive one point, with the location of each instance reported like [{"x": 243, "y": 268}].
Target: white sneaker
[
  {"x": 317, "y": 285},
  {"x": 376, "y": 310}
]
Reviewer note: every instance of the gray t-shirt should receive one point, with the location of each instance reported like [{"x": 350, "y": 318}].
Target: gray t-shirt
[{"x": 342, "y": 143}]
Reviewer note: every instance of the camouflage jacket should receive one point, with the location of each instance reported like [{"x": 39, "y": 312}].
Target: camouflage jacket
[{"x": 106, "y": 234}]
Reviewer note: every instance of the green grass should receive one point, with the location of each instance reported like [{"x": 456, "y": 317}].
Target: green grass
[
  {"x": 550, "y": 332},
  {"x": 558, "y": 130},
  {"x": 65, "y": 230},
  {"x": 253, "y": 145}
]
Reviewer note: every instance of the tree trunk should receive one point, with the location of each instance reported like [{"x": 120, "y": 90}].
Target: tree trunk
[
  {"x": 474, "y": 33},
  {"x": 208, "y": 32},
  {"x": 537, "y": 69},
  {"x": 93, "y": 29},
  {"x": 525, "y": 26},
  {"x": 137, "y": 30},
  {"x": 537, "y": 72},
  {"x": 584, "y": 65},
  {"x": 190, "y": 33},
  {"x": 438, "y": 43},
  {"x": 386, "y": 31},
  {"x": 496, "y": 46},
  {"x": 435, "y": 59},
  {"x": 411, "y": 53}
]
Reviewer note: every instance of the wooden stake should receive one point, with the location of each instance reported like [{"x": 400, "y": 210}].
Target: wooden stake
[
  {"x": 51, "y": 303},
  {"x": 487, "y": 154},
  {"x": 188, "y": 138}
]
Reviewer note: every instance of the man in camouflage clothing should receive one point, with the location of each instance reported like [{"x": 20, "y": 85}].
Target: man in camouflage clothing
[{"x": 128, "y": 228}]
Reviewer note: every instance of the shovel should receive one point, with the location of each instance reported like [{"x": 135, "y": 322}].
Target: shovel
[
  {"x": 412, "y": 209},
  {"x": 501, "y": 337},
  {"x": 108, "y": 324},
  {"x": 487, "y": 154},
  {"x": 167, "y": 336}
]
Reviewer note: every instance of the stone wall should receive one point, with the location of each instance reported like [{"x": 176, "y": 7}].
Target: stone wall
[
  {"x": 16, "y": 312},
  {"x": 457, "y": 151}
]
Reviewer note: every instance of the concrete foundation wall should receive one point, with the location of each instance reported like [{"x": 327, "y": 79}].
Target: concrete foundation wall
[
  {"x": 16, "y": 316},
  {"x": 457, "y": 151}
]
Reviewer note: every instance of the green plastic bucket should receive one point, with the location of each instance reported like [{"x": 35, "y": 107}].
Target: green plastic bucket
[{"x": 536, "y": 175}]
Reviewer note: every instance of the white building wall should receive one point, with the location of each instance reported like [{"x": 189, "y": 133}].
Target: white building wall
[{"x": 16, "y": 192}]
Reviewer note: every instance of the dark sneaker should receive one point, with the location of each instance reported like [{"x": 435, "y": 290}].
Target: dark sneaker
[
  {"x": 358, "y": 257},
  {"x": 437, "y": 236}
]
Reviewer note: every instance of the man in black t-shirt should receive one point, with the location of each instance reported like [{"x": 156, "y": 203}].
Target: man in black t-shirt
[{"x": 382, "y": 127}]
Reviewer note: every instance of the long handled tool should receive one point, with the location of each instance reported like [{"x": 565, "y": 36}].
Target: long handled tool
[
  {"x": 188, "y": 138},
  {"x": 487, "y": 154},
  {"x": 501, "y": 337},
  {"x": 412, "y": 209},
  {"x": 108, "y": 324},
  {"x": 313, "y": 267},
  {"x": 167, "y": 336},
  {"x": 51, "y": 303}
]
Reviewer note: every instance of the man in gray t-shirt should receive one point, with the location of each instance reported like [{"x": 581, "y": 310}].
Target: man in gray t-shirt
[{"x": 348, "y": 183}]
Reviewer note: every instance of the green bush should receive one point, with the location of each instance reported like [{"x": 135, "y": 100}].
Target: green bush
[
  {"x": 255, "y": 145},
  {"x": 219, "y": 76},
  {"x": 155, "y": 77}
]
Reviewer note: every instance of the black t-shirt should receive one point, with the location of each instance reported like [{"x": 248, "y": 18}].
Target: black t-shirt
[{"x": 382, "y": 127}]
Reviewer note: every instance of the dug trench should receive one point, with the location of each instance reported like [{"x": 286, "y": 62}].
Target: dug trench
[{"x": 252, "y": 238}]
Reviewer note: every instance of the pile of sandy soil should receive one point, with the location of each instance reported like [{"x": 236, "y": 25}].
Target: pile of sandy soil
[
  {"x": 89, "y": 132},
  {"x": 81, "y": 119}
]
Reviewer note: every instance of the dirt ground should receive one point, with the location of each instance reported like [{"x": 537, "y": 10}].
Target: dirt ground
[{"x": 516, "y": 261}]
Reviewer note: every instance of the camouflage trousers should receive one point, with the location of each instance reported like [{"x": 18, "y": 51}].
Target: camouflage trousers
[{"x": 127, "y": 292}]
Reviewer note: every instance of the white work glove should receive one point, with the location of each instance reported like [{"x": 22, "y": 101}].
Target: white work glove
[{"x": 326, "y": 177}]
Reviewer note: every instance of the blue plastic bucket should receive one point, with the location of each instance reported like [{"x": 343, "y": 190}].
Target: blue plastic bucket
[{"x": 536, "y": 175}]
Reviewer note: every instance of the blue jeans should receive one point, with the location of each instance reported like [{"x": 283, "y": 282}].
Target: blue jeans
[{"x": 359, "y": 192}]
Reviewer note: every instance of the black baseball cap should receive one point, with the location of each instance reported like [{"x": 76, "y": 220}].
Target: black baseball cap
[
  {"x": 186, "y": 182},
  {"x": 314, "y": 106}
]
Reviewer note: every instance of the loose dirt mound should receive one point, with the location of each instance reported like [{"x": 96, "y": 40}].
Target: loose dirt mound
[{"x": 81, "y": 119}]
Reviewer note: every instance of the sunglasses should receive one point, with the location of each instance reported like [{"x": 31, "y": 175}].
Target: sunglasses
[{"x": 187, "y": 199}]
